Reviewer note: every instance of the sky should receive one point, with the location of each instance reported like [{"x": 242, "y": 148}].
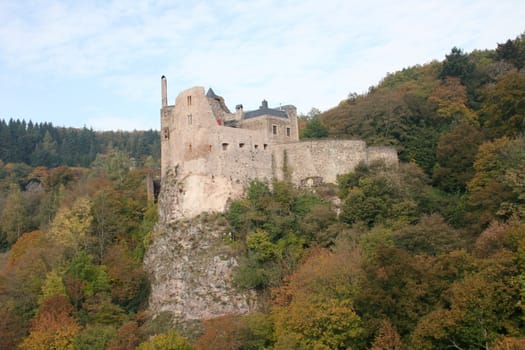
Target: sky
[{"x": 98, "y": 63}]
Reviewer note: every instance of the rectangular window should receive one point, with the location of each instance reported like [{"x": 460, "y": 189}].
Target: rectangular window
[
  {"x": 274, "y": 129},
  {"x": 189, "y": 119},
  {"x": 288, "y": 132},
  {"x": 224, "y": 146},
  {"x": 166, "y": 133},
  {"x": 241, "y": 145},
  {"x": 189, "y": 100}
]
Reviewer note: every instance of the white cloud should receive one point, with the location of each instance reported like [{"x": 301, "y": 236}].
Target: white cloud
[{"x": 306, "y": 52}]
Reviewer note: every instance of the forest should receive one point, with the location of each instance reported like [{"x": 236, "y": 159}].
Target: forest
[{"x": 426, "y": 255}]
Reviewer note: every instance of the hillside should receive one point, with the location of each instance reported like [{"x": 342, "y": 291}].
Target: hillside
[
  {"x": 426, "y": 255},
  {"x": 420, "y": 107}
]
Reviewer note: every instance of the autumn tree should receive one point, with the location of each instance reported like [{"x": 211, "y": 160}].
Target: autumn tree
[
  {"x": 314, "y": 309},
  {"x": 71, "y": 225},
  {"x": 54, "y": 326},
  {"x": 387, "y": 338},
  {"x": 31, "y": 258},
  {"x": 455, "y": 155},
  {"x": 451, "y": 100},
  {"x": 13, "y": 327},
  {"x": 167, "y": 341},
  {"x": 491, "y": 194},
  {"x": 478, "y": 308},
  {"x": 431, "y": 236},
  {"x": 504, "y": 106},
  {"x": 128, "y": 337},
  {"x": 127, "y": 279}
]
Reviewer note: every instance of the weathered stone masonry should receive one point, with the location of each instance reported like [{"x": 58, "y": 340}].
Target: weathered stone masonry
[{"x": 211, "y": 153}]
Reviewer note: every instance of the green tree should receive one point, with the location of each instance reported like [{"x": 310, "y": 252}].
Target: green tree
[
  {"x": 455, "y": 155},
  {"x": 431, "y": 236},
  {"x": 46, "y": 152},
  {"x": 314, "y": 130},
  {"x": 168, "y": 341},
  {"x": 457, "y": 64},
  {"x": 94, "y": 337},
  {"x": 53, "y": 285},
  {"x": 513, "y": 51},
  {"x": 116, "y": 164},
  {"x": 13, "y": 220}
]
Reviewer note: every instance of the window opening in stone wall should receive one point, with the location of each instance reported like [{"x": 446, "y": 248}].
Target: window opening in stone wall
[
  {"x": 189, "y": 100},
  {"x": 288, "y": 132},
  {"x": 209, "y": 148},
  {"x": 190, "y": 147},
  {"x": 274, "y": 129},
  {"x": 224, "y": 146},
  {"x": 265, "y": 146},
  {"x": 255, "y": 146},
  {"x": 166, "y": 132},
  {"x": 241, "y": 145},
  {"x": 189, "y": 119}
]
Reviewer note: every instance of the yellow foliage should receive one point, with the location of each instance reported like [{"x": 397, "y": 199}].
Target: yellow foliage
[
  {"x": 451, "y": 100},
  {"x": 70, "y": 226}
]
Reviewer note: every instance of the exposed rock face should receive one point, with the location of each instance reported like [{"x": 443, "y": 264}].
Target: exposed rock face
[{"x": 191, "y": 264}]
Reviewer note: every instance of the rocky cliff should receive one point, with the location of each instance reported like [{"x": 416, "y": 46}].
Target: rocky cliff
[{"x": 191, "y": 263}]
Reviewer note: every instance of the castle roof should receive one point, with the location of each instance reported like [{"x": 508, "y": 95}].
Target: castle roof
[
  {"x": 264, "y": 110},
  {"x": 211, "y": 94}
]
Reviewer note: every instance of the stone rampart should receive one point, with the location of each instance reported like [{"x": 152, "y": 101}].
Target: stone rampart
[{"x": 323, "y": 160}]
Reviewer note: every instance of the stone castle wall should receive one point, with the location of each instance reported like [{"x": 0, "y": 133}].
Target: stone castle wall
[{"x": 206, "y": 164}]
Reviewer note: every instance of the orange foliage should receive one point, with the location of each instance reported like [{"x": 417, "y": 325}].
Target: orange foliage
[
  {"x": 387, "y": 338},
  {"x": 127, "y": 278},
  {"x": 24, "y": 243},
  {"x": 53, "y": 327},
  {"x": 509, "y": 343},
  {"x": 221, "y": 333},
  {"x": 127, "y": 337}
]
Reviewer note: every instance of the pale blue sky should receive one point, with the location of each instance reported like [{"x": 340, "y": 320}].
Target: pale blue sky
[{"x": 99, "y": 63}]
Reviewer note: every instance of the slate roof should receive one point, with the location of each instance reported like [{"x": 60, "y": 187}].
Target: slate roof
[
  {"x": 264, "y": 110},
  {"x": 211, "y": 94}
]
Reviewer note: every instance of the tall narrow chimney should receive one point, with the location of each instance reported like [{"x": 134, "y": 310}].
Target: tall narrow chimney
[{"x": 164, "y": 90}]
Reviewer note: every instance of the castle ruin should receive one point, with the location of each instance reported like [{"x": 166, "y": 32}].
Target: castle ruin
[{"x": 210, "y": 154}]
